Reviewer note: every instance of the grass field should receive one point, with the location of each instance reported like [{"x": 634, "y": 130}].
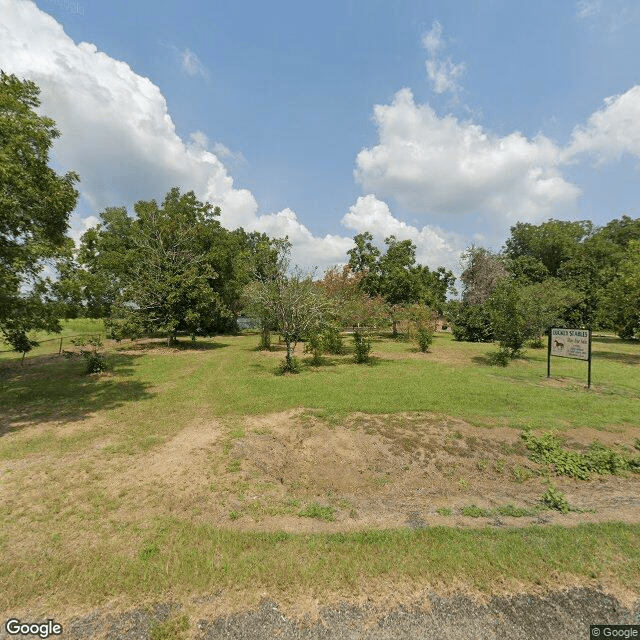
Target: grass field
[{"x": 195, "y": 469}]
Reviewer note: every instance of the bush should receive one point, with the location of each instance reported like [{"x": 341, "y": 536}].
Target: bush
[
  {"x": 332, "y": 341},
  {"x": 315, "y": 346},
  {"x": 290, "y": 364},
  {"x": 95, "y": 361},
  {"x": 425, "y": 339},
  {"x": 362, "y": 346},
  {"x": 471, "y": 323},
  {"x": 500, "y": 358}
]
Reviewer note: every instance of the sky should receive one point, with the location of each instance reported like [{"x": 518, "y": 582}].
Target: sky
[{"x": 443, "y": 122}]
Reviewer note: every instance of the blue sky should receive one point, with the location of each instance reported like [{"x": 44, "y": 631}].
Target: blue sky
[{"x": 442, "y": 122}]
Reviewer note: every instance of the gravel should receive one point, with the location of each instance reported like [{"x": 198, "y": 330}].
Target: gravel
[{"x": 558, "y": 615}]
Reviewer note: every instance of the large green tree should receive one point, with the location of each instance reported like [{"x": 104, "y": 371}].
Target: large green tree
[
  {"x": 396, "y": 276},
  {"x": 35, "y": 203},
  {"x": 623, "y": 299},
  {"x": 165, "y": 277}
]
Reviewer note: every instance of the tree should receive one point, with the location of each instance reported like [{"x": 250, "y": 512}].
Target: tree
[
  {"x": 509, "y": 317},
  {"x": 294, "y": 303},
  {"x": 166, "y": 281},
  {"x": 35, "y": 203},
  {"x": 482, "y": 272},
  {"x": 623, "y": 299},
  {"x": 551, "y": 243},
  {"x": 351, "y": 306},
  {"x": 396, "y": 276}
]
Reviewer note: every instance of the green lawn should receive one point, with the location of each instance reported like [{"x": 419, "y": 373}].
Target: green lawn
[{"x": 151, "y": 394}]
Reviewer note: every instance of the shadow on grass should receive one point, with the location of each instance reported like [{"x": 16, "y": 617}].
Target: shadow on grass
[
  {"x": 51, "y": 388},
  {"x": 613, "y": 340},
  {"x": 627, "y": 358},
  {"x": 179, "y": 345},
  {"x": 496, "y": 359}
]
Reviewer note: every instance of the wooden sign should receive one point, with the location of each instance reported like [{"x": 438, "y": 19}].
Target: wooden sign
[{"x": 570, "y": 343}]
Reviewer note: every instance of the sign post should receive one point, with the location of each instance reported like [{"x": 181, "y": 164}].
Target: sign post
[{"x": 570, "y": 343}]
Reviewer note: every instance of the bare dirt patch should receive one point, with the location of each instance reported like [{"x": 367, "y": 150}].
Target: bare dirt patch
[
  {"x": 261, "y": 472},
  {"x": 399, "y": 470}
]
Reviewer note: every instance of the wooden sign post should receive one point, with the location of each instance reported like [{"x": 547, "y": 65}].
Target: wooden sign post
[{"x": 570, "y": 343}]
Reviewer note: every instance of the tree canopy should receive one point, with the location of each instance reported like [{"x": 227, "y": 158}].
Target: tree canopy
[{"x": 35, "y": 204}]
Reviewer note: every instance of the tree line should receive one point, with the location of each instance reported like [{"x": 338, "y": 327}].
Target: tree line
[
  {"x": 172, "y": 268},
  {"x": 567, "y": 274}
]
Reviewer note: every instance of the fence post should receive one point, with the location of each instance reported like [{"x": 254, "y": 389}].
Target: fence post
[{"x": 60, "y": 349}]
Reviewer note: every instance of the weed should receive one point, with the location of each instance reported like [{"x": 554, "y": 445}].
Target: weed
[
  {"x": 148, "y": 552},
  {"x": 500, "y": 466},
  {"x": 515, "y": 512},
  {"x": 520, "y": 474},
  {"x": 598, "y": 459},
  {"x": 234, "y": 466},
  {"x": 444, "y": 511},
  {"x": 318, "y": 511},
  {"x": 554, "y": 499},
  {"x": 234, "y": 515},
  {"x": 173, "y": 628},
  {"x": 482, "y": 464},
  {"x": 476, "y": 512},
  {"x": 463, "y": 482}
]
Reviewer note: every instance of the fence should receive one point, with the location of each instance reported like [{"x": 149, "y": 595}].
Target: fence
[{"x": 59, "y": 340}]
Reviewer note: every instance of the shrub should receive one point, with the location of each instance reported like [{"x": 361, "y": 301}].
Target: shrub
[
  {"x": 472, "y": 324},
  {"x": 314, "y": 345},
  {"x": 290, "y": 364},
  {"x": 362, "y": 345},
  {"x": 332, "y": 341},
  {"x": 95, "y": 361},
  {"x": 425, "y": 339}
]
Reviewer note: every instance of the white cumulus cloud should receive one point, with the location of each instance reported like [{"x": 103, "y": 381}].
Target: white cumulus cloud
[
  {"x": 434, "y": 246},
  {"x": 118, "y": 134},
  {"x": 433, "y": 164},
  {"x": 612, "y": 131}
]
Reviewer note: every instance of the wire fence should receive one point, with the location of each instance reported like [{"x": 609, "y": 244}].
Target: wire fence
[{"x": 59, "y": 340}]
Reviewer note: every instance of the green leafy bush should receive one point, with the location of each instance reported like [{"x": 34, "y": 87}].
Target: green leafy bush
[
  {"x": 95, "y": 360},
  {"x": 362, "y": 345},
  {"x": 332, "y": 341},
  {"x": 425, "y": 339},
  {"x": 472, "y": 324}
]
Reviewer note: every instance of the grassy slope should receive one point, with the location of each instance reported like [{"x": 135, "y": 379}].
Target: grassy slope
[{"x": 150, "y": 397}]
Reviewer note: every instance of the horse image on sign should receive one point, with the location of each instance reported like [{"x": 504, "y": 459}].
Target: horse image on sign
[{"x": 570, "y": 343}]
